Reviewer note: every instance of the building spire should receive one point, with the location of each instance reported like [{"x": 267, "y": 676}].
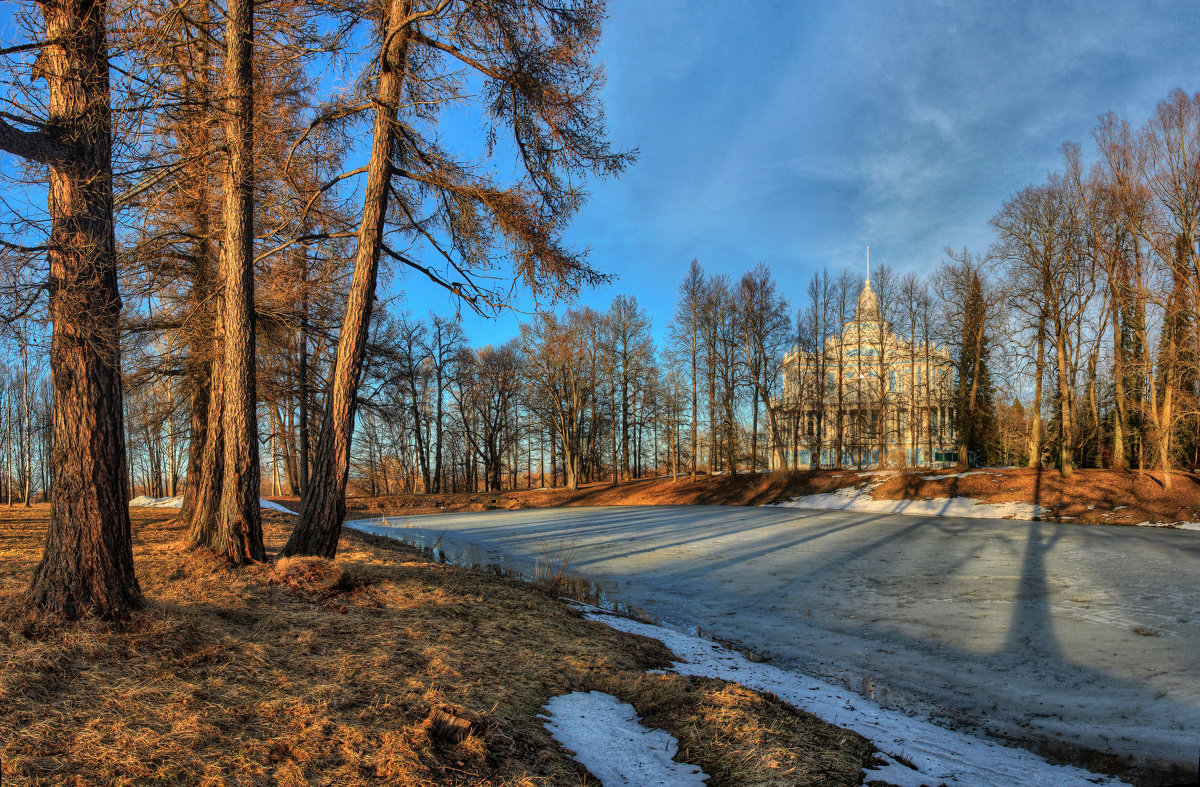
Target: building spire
[{"x": 868, "y": 264}]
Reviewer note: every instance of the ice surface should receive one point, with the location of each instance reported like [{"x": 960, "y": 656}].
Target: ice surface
[
  {"x": 177, "y": 502},
  {"x": 1068, "y": 637},
  {"x": 939, "y": 755},
  {"x": 608, "y": 739}
]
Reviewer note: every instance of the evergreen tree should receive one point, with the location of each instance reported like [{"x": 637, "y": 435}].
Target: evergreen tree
[{"x": 975, "y": 403}]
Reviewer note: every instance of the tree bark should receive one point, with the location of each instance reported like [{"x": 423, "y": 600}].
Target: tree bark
[
  {"x": 1035, "y": 434},
  {"x": 1066, "y": 408},
  {"x": 87, "y": 564},
  {"x": 324, "y": 503},
  {"x": 239, "y": 531},
  {"x": 302, "y": 387},
  {"x": 202, "y": 351},
  {"x": 1118, "y": 372},
  {"x": 211, "y": 472}
]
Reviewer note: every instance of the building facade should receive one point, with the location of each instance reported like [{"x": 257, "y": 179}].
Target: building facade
[{"x": 869, "y": 397}]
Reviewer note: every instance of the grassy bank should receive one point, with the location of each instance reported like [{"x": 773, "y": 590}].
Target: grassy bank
[
  {"x": 379, "y": 666},
  {"x": 1089, "y": 496}
]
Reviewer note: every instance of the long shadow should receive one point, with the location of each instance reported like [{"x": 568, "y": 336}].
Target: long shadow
[
  {"x": 1028, "y": 639},
  {"x": 1031, "y": 629},
  {"x": 646, "y": 526}
]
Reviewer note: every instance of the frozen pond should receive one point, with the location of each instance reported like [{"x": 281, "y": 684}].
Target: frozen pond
[{"x": 1065, "y": 637}]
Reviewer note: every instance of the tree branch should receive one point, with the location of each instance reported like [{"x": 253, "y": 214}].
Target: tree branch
[{"x": 32, "y": 145}]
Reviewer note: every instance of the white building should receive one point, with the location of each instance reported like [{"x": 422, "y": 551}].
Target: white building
[{"x": 870, "y": 397}]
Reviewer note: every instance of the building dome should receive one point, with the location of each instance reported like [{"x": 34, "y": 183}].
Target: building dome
[{"x": 868, "y": 304}]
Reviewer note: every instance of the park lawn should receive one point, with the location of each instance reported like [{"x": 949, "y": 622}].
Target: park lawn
[{"x": 381, "y": 666}]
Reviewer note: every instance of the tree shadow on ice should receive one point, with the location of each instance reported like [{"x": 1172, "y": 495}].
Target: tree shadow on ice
[{"x": 1031, "y": 628}]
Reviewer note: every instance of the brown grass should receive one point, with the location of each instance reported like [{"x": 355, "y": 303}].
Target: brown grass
[
  {"x": 744, "y": 489},
  {"x": 1090, "y": 496},
  {"x": 381, "y": 666}
]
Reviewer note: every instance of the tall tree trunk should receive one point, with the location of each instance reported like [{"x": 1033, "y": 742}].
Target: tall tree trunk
[
  {"x": 239, "y": 533},
  {"x": 1035, "y": 434},
  {"x": 1066, "y": 407},
  {"x": 202, "y": 350},
  {"x": 437, "y": 429},
  {"x": 695, "y": 401},
  {"x": 1119, "y": 418},
  {"x": 324, "y": 503},
  {"x": 207, "y": 493},
  {"x": 198, "y": 372},
  {"x": 27, "y": 407},
  {"x": 754, "y": 434},
  {"x": 87, "y": 564},
  {"x": 302, "y": 387},
  {"x": 612, "y": 401}
]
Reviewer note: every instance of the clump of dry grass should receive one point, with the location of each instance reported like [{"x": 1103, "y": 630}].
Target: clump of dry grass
[
  {"x": 744, "y": 737},
  {"x": 380, "y": 666},
  {"x": 552, "y": 571}
]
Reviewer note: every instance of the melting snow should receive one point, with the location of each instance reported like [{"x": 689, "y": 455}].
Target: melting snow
[
  {"x": 609, "y": 740},
  {"x": 962, "y": 475},
  {"x": 177, "y": 502},
  {"x": 938, "y": 755},
  {"x": 851, "y": 498},
  {"x": 1175, "y": 525},
  {"x": 860, "y": 499}
]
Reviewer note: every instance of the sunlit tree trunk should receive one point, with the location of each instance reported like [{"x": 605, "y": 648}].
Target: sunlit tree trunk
[
  {"x": 324, "y": 503},
  {"x": 87, "y": 564},
  {"x": 239, "y": 532}
]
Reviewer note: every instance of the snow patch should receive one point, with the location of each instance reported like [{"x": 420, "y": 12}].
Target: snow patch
[
  {"x": 157, "y": 502},
  {"x": 961, "y": 475},
  {"x": 1171, "y": 525},
  {"x": 177, "y": 502},
  {"x": 861, "y": 499},
  {"x": 609, "y": 740},
  {"x": 938, "y": 755},
  {"x": 851, "y": 498}
]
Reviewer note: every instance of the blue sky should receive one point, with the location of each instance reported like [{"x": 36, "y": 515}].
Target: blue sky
[{"x": 797, "y": 133}]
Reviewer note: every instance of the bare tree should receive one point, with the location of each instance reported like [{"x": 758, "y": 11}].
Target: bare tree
[
  {"x": 685, "y": 331},
  {"x": 1039, "y": 237},
  {"x": 560, "y": 380},
  {"x": 766, "y": 329}
]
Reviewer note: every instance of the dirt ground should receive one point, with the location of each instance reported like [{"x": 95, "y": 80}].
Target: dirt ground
[
  {"x": 1090, "y": 496},
  {"x": 378, "y": 667}
]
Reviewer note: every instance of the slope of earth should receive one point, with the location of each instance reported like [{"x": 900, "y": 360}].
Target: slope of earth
[
  {"x": 1089, "y": 496},
  {"x": 380, "y": 666}
]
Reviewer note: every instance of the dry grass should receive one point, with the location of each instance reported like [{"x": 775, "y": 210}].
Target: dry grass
[
  {"x": 745, "y": 489},
  {"x": 381, "y": 666},
  {"x": 552, "y": 572},
  {"x": 1090, "y": 496},
  {"x": 747, "y": 738}
]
